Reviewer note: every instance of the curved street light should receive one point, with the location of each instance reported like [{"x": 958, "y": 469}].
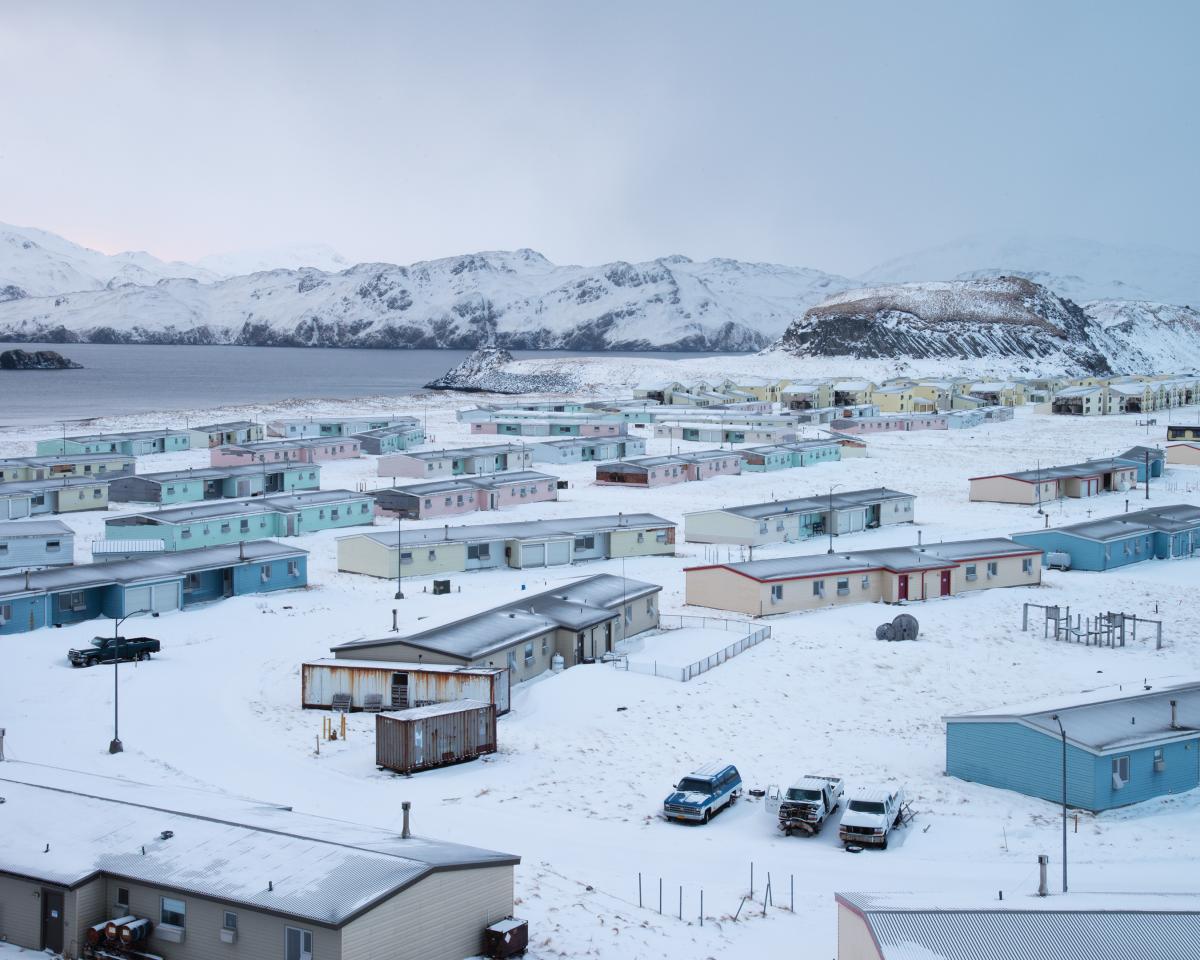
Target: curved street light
[
  {"x": 115, "y": 745},
  {"x": 1056, "y": 719}
]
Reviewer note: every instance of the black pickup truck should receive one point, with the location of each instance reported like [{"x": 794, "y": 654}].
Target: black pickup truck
[{"x": 106, "y": 649}]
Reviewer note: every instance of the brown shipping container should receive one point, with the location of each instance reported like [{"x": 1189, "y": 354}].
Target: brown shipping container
[{"x": 434, "y": 736}]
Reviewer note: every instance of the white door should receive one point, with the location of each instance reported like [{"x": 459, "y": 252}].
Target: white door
[
  {"x": 164, "y": 596},
  {"x": 558, "y": 552},
  {"x": 533, "y": 555}
]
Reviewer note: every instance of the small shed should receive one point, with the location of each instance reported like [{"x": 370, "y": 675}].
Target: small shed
[{"x": 436, "y": 735}]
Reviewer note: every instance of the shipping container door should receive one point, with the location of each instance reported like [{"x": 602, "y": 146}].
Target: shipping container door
[
  {"x": 558, "y": 552},
  {"x": 533, "y": 555},
  {"x": 503, "y": 683}
]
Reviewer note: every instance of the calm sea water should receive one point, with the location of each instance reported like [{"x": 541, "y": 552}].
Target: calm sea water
[{"x": 129, "y": 379}]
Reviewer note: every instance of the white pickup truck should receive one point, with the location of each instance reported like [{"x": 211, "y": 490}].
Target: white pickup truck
[
  {"x": 870, "y": 817},
  {"x": 806, "y": 805}
]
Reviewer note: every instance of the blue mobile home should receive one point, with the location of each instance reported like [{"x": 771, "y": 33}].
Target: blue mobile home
[
  {"x": 587, "y": 449},
  {"x": 215, "y": 483},
  {"x": 134, "y": 444},
  {"x": 1138, "y": 456},
  {"x": 1121, "y": 749},
  {"x": 393, "y": 439},
  {"x": 1158, "y": 533},
  {"x": 167, "y": 582},
  {"x": 783, "y": 456}
]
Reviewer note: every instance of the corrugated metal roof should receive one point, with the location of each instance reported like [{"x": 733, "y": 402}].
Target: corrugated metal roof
[
  {"x": 435, "y": 709},
  {"x": 321, "y": 870},
  {"x": 232, "y": 508},
  {"x": 526, "y": 530},
  {"x": 1029, "y": 934},
  {"x": 34, "y": 528},
  {"x": 104, "y": 547}
]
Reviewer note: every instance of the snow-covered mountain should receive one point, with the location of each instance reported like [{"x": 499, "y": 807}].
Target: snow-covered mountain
[
  {"x": 1005, "y": 318},
  {"x": 35, "y": 263},
  {"x": 516, "y": 299},
  {"x": 1083, "y": 270},
  {"x": 1167, "y": 335},
  {"x": 318, "y": 256}
]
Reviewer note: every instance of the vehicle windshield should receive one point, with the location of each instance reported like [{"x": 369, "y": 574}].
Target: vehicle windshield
[
  {"x": 694, "y": 785},
  {"x": 795, "y": 793},
  {"x": 866, "y": 806}
]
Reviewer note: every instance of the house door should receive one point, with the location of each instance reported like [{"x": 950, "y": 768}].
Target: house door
[
  {"x": 902, "y": 587},
  {"x": 491, "y": 501},
  {"x": 227, "y": 582},
  {"x": 608, "y": 637},
  {"x": 399, "y": 691},
  {"x": 291, "y": 524},
  {"x": 945, "y": 583},
  {"x": 243, "y": 487},
  {"x": 52, "y": 920}
]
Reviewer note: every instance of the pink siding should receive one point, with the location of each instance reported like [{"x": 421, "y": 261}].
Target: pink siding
[
  {"x": 400, "y": 465},
  {"x": 713, "y": 468},
  {"x": 602, "y": 429},
  {"x": 486, "y": 426},
  {"x": 535, "y": 492}
]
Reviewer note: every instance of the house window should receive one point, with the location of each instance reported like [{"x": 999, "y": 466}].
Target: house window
[
  {"x": 406, "y": 557},
  {"x": 225, "y": 528},
  {"x": 1027, "y": 565},
  {"x": 172, "y": 911},
  {"x": 843, "y": 587},
  {"x": 229, "y": 920},
  {"x": 312, "y": 475},
  {"x": 992, "y": 569},
  {"x": 321, "y": 514},
  {"x": 818, "y": 588},
  {"x": 650, "y": 606},
  {"x": 512, "y": 659},
  {"x": 1159, "y": 760},
  {"x": 244, "y": 526},
  {"x": 191, "y": 582},
  {"x": 762, "y": 526},
  {"x": 779, "y": 526},
  {"x": 585, "y": 543},
  {"x": 123, "y": 896},
  {"x": 1120, "y": 772},
  {"x": 971, "y": 572},
  {"x": 170, "y": 490},
  {"x": 363, "y": 507},
  {"x": 297, "y": 944},
  {"x": 661, "y": 536},
  {"x": 432, "y": 555},
  {"x": 866, "y": 583},
  {"x": 5, "y": 612},
  {"x": 293, "y": 568},
  {"x": 52, "y": 546},
  {"x": 185, "y": 533},
  {"x": 529, "y": 653},
  {"x": 265, "y": 572},
  {"x": 72, "y": 601},
  {"x": 545, "y": 646}
]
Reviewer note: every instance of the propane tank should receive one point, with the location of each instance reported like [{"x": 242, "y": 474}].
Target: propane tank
[
  {"x": 135, "y": 932},
  {"x": 112, "y": 929},
  {"x": 95, "y": 933},
  {"x": 557, "y": 663}
]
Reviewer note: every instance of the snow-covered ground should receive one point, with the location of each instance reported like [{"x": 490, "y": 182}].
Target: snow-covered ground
[{"x": 587, "y": 756}]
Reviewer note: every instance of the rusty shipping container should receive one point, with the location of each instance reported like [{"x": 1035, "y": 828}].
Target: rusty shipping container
[
  {"x": 434, "y": 736},
  {"x": 400, "y": 686}
]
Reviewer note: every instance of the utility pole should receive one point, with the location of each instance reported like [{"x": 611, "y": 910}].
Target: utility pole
[
  {"x": 1056, "y": 719},
  {"x": 1147, "y": 474},
  {"x": 829, "y": 520},
  {"x": 115, "y": 745}
]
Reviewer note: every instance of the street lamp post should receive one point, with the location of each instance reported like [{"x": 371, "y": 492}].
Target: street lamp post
[
  {"x": 115, "y": 745},
  {"x": 1056, "y": 719},
  {"x": 399, "y": 556},
  {"x": 829, "y": 520}
]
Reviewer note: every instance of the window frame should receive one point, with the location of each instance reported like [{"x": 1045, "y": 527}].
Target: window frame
[{"x": 180, "y": 915}]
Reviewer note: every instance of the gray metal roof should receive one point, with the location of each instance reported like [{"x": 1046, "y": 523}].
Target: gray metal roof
[
  {"x": 1174, "y": 518},
  {"x": 1047, "y": 929},
  {"x": 276, "y": 503},
  {"x": 1089, "y": 468},
  {"x": 165, "y": 566},
  {"x": 458, "y": 453},
  {"x": 847, "y": 500},
  {"x": 1101, "y": 723},
  {"x": 1139, "y": 453},
  {"x": 19, "y": 487},
  {"x": 526, "y": 530},
  {"x": 469, "y": 483},
  {"x": 583, "y": 603},
  {"x": 237, "y": 852},
  {"x": 216, "y": 473},
  {"x": 34, "y": 528},
  {"x": 223, "y": 427}
]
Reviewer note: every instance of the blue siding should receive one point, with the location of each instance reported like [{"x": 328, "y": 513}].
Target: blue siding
[
  {"x": 1181, "y": 773},
  {"x": 249, "y": 577},
  {"x": 93, "y": 606},
  {"x": 28, "y": 613},
  {"x": 1014, "y": 757},
  {"x": 1089, "y": 554},
  {"x": 205, "y": 586}
]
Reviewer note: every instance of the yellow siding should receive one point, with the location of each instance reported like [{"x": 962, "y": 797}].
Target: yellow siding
[
  {"x": 20, "y": 914},
  {"x": 624, "y": 543},
  {"x": 1004, "y": 490},
  {"x": 363, "y": 555},
  {"x": 854, "y": 938}
]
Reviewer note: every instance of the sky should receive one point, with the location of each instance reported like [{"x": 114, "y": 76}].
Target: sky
[{"x": 831, "y": 135}]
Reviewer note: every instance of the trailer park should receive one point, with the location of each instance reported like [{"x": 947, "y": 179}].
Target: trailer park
[{"x": 550, "y": 597}]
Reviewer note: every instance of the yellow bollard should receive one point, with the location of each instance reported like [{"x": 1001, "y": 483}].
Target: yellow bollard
[{"x": 343, "y": 726}]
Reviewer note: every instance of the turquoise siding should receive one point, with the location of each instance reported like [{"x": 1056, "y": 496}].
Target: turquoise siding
[
  {"x": 1156, "y": 468},
  {"x": 1012, "y": 756}
]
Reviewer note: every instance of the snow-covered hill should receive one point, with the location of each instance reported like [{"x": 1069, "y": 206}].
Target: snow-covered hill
[
  {"x": 518, "y": 299},
  {"x": 1082, "y": 270},
  {"x": 1167, "y": 335},
  {"x": 1006, "y": 317},
  {"x": 293, "y": 257},
  {"x": 35, "y": 263}
]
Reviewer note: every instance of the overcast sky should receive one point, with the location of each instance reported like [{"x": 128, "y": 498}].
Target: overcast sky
[{"x": 832, "y": 135}]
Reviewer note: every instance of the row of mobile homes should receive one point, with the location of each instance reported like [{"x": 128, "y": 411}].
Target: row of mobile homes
[
  {"x": 784, "y": 456},
  {"x": 186, "y": 875},
  {"x": 701, "y": 432},
  {"x": 896, "y": 423},
  {"x": 891, "y": 575},
  {"x": 676, "y": 468},
  {"x": 579, "y": 622},
  {"x": 1161, "y": 533},
  {"x": 451, "y": 498},
  {"x": 239, "y": 521},
  {"x": 283, "y": 451},
  {"x": 98, "y": 465},
  {"x": 393, "y": 439},
  {"x": 458, "y": 462},
  {"x": 521, "y": 427},
  {"x": 321, "y": 428},
  {"x": 534, "y": 411},
  {"x": 1183, "y": 431},
  {"x": 1049, "y": 483},
  {"x": 1184, "y": 454},
  {"x": 384, "y": 685},
  {"x": 537, "y": 543},
  {"x": 1121, "y": 748},
  {"x": 225, "y": 434},
  {"x": 800, "y": 519},
  {"x": 820, "y": 415},
  {"x": 31, "y": 498},
  {"x": 214, "y": 483},
  {"x": 28, "y": 544},
  {"x": 586, "y": 449},
  {"x": 134, "y": 444},
  {"x": 170, "y": 581}
]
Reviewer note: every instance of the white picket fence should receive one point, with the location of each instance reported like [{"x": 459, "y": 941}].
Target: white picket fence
[{"x": 750, "y": 639}]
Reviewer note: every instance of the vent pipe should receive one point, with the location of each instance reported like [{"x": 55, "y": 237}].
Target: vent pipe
[
  {"x": 1043, "y": 887},
  {"x": 405, "y": 833},
  {"x": 918, "y": 538},
  {"x": 1174, "y": 715}
]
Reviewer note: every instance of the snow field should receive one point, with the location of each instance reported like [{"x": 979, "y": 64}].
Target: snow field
[{"x": 578, "y": 784}]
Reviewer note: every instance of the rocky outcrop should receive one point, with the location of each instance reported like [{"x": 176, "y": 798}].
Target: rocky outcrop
[
  {"x": 37, "y": 360},
  {"x": 484, "y": 372}
]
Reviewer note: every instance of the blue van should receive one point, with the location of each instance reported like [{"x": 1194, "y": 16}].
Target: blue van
[{"x": 703, "y": 793}]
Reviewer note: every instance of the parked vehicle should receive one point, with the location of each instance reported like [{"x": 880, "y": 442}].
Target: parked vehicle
[
  {"x": 707, "y": 791},
  {"x": 871, "y": 816},
  {"x": 806, "y": 805},
  {"x": 106, "y": 649}
]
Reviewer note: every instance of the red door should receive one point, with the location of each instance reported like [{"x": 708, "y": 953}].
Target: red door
[
  {"x": 902, "y": 587},
  {"x": 945, "y": 583}
]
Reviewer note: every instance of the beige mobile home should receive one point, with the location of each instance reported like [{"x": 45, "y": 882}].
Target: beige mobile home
[
  {"x": 1184, "y": 454},
  {"x": 1049, "y": 483}
]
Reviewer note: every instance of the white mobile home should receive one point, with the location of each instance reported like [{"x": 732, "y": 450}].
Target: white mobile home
[
  {"x": 800, "y": 519},
  {"x": 36, "y": 543}
]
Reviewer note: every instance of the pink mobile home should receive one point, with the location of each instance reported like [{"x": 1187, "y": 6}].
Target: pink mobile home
[
  {"x": 551, "y": 428},
  {"x": 449, "y": 498},
  {"x": 920, "y": 421},
  {"x": 663, "y": 471},
  {"x": 281, "y": 451}
]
